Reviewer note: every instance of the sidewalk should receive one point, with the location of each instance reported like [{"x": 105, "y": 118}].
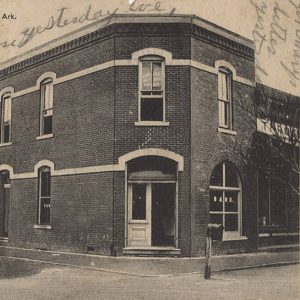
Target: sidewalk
[{"x": 144, "y": 266}]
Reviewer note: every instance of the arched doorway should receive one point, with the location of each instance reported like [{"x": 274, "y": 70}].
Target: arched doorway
[
  {"x": 151, "y": 202},
  {"x": 4, "y": 203}
]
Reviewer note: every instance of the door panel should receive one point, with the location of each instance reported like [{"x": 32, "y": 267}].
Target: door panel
[
  {"x": 163, "y": 214},
  {"x": 139, "y": 214}
]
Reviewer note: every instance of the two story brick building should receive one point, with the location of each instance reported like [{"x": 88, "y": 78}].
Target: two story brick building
[{"x": 121, "y": 139}]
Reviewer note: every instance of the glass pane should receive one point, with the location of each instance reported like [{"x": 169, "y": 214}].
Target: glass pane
[
  {"x": 231, "y": 201},
  {"x": 231, "y": 222},
  {"x": 6, "y": 133},
  {"x": 231, "y": 179},
  {"x": 217, "y": 176},
  {"x": 216, "y": 218},
  {"x": 222, "y": 121},
  {"x": 216, "y": 201},
  {"x": 47, "y": 124},
  {"x": 152, "y": 109},
  {"x": 45, "y": 211},
  {"x": 263, "y": 198},
  {"x": 6, "y": 109},
  {"x": 139, "y": 202},
  {"x": 146, "y": 76},
  {"x": 223, "y": 86},
  {"x": 48, "y": 96},
  {"x": 45, "y": 184},
  {"x": 157, "y": 76},
  {"x": 228, "y": 87},
  {"x": 278, "y": 203}
]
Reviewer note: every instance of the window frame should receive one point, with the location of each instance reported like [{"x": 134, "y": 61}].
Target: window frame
[
  {"x": 226, "y": 121},
  {"x": 41, "y": 170},
  {"x": 142, "y": 94},
  {"x": 4, "y": 98},
  {"x": 46, "y": 82},
  {"x": 228, "y": 235}
]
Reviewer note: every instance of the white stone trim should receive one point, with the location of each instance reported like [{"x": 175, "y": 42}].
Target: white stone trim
[
  {"x": 121, "y": 166},
  {"x": 40, "y": 226},
  {"x": 226, "y": 64},
  {"x": 8, "y": 89},
  {"x": 151, "y": 123},
  {"x": 44, "y": 136},
  {"x": 151, "y": 151},
  {"x": 227, "y": 131},
  {"x": 8, "y": 168},
  {"x": 5, "y": 144},
  {"x": 152, "y": 51},
  {"x": 45, "y": 75},
  {"x": 124, "y": 62}
]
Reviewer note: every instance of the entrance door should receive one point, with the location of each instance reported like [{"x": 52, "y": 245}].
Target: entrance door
[
  {"x": 139, "y": 214},
  {"x": 151, "y": 214}
]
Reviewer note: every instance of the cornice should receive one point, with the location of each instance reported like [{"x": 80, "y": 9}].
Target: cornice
[
  {"x": 180, "y": 27},
  {"x": 223, "y": 42}
]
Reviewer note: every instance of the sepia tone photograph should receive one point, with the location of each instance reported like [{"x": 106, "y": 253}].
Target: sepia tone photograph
[{"x": 149, "y": 149}]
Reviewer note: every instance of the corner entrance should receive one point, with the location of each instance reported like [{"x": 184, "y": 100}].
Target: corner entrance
[{"x": 152, "y": 184}]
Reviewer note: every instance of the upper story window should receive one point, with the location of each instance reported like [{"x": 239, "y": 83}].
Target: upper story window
[
  {"x": 225, "y": 98},
  {"x": 46, "y": 106},
  {"x": 151, "y": 89},
  {"x": 44, "y": 174},
  {"x": 6, "y": 118}
]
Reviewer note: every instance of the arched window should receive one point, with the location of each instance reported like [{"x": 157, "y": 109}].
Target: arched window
[
  {"x": 151, "y": 89},
  {"x": 225, "y": 98},
  {"x": 225, "y": 198},
  {"x": 46, "y": 106},
  {"x": 44, "y": 198},
  {"x": 6, "y": 118}
]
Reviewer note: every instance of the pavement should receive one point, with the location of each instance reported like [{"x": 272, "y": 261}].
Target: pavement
[
  {"x": 148, "y": 267},
  {"x": 27, "y": 280}
]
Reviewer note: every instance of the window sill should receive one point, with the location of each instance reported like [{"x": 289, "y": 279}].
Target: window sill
[
  {"x": 42, "y": 226},
  {"x": 233, "y": 237},
  {"x": 45, "y": 136},
  {"x": 225, "y": 130},
  {"x": 5, "y": 144},
  {"x": 151, "y": 123}
]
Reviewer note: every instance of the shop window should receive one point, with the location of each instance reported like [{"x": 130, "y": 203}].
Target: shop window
[
  {"x": 272, "y": 194},
  {"x": 44, "y": 174},
  {"x": 225, "y": 198}
]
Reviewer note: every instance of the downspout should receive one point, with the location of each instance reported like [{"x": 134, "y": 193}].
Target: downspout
[{"x": 112, "y": 246}]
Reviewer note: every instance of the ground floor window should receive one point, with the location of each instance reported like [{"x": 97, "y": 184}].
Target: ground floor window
[
  {"x": 4, "y": 203},
  {"x": 44, "y": 195},
  {"x": 272, "y": 195},
  {"x": 225, "y": 198}
]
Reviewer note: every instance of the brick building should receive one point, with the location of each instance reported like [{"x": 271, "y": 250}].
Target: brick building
[{"x": 121, "y": 139}]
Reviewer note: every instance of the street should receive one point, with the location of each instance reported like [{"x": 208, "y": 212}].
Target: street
[{"x": 32, "y": 280}]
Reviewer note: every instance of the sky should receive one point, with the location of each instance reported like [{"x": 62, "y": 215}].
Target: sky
[{"x": 273, "y": 25}]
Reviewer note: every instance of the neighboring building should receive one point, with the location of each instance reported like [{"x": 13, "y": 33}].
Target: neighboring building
[{"x": 130, "y": 137}]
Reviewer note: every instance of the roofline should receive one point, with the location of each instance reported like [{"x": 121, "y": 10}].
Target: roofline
[{"x": 125, "y": 19}]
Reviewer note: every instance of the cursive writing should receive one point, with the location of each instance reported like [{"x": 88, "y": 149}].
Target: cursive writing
[
  {"x": 138, "y": 6},
  {"x": 292, "y": 68},
  {"x": 277, "y": 32}
]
